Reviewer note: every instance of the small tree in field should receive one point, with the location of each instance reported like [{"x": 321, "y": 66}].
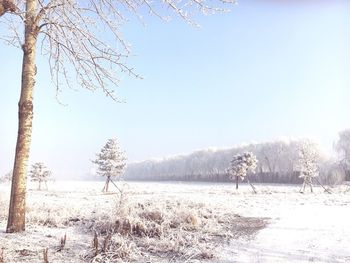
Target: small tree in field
[
  {"x": 39, "y": 173},
  {"x": 241, "y": 164},
  {"x": 6, "y": 178},
  {"x": 110, "y": 162},
  {"x": 308, "y": 164}
]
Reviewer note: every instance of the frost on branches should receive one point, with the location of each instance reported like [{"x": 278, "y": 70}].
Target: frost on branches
[
  {"x": 111, "y": 162},
  {"x": 308, "y": 163},
  {"x": 241, "y": 164},
  {"x": 39, "y": 173}
]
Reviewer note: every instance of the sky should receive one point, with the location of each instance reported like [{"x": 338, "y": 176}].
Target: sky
[{"x": 264, "y": 71}]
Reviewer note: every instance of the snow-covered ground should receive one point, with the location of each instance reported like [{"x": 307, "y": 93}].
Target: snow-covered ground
[{"x": 301, "y": 227}]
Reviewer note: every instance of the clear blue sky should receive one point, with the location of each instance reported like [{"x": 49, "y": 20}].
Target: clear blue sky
[{"x": 265, "y": 70}]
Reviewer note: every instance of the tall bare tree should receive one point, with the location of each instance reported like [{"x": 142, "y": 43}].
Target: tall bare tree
[{"x": 72, "y": 35}]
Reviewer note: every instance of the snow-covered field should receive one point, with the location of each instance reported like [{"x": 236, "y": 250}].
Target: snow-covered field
[{"x": 180, "y": 222}]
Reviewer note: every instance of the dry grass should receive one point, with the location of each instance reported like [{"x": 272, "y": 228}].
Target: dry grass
[
  {"x": 123, "y": 228},
  {"x": 166, "y": 230},
  {"x": 2, "y": 258}
]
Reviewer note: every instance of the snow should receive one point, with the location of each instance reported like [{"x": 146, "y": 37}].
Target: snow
[
  {"x": 310, "y": 229},
  {"x": 301, "y": 227}
]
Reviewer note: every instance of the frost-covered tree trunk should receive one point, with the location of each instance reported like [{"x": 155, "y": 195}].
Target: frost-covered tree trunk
[
  {"x": 105, "y": 189},
  {"x": 16, "y": 216}
]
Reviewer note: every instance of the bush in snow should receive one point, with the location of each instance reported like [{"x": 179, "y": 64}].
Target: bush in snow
[
  {"x": 39, "y": 173},
  {"x": 110, "y": 162},
  {"x": 241, "y": 164}
]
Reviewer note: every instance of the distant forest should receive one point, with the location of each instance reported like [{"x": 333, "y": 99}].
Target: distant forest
[{"x": 277, "y": 163}]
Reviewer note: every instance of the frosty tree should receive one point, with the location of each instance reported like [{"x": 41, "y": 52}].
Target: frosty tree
[
  {"x": 308, "y": 163},
  {"x": 82, "y": 42},
  {"x": 6, "y": 177},
  {"x": 110, "y": 162},
  {"x": 343, "y": 148},
  {"x": 241, "y": 164},
  {"x": 39, "y": 173}
]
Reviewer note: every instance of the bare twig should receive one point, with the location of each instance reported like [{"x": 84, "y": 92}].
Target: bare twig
[
  {"x": 95, "y": 244},
  {"x": 62, "y": 243},
  {"x": 326, "y": 189},
  {"x": 106, "y": 243},
  {"x": 45, "y": 255},
  {"x": 2, "y": 257}
]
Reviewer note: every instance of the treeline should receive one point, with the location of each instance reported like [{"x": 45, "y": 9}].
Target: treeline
[{"x": 277, "y": 163}]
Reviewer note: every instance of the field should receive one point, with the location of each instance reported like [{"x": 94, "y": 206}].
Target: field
[{"x": 179, "y": 222}]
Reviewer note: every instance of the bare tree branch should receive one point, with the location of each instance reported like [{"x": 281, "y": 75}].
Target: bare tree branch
[
  {"x": 83, "y": 41},
  {"x": 7, "y": 6}
]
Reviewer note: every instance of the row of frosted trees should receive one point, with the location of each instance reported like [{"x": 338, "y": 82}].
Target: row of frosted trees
[
  {"x": 110, "y": 163},
  {"x": 277, "y": 163}
]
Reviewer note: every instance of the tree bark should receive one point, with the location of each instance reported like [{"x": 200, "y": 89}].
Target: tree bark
[
  {"x": 107, "y": 183},
  {"x": 236, "y": 182},
  {"x": 16, "y": 216},
  {"x": 105, "y": 187}
]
